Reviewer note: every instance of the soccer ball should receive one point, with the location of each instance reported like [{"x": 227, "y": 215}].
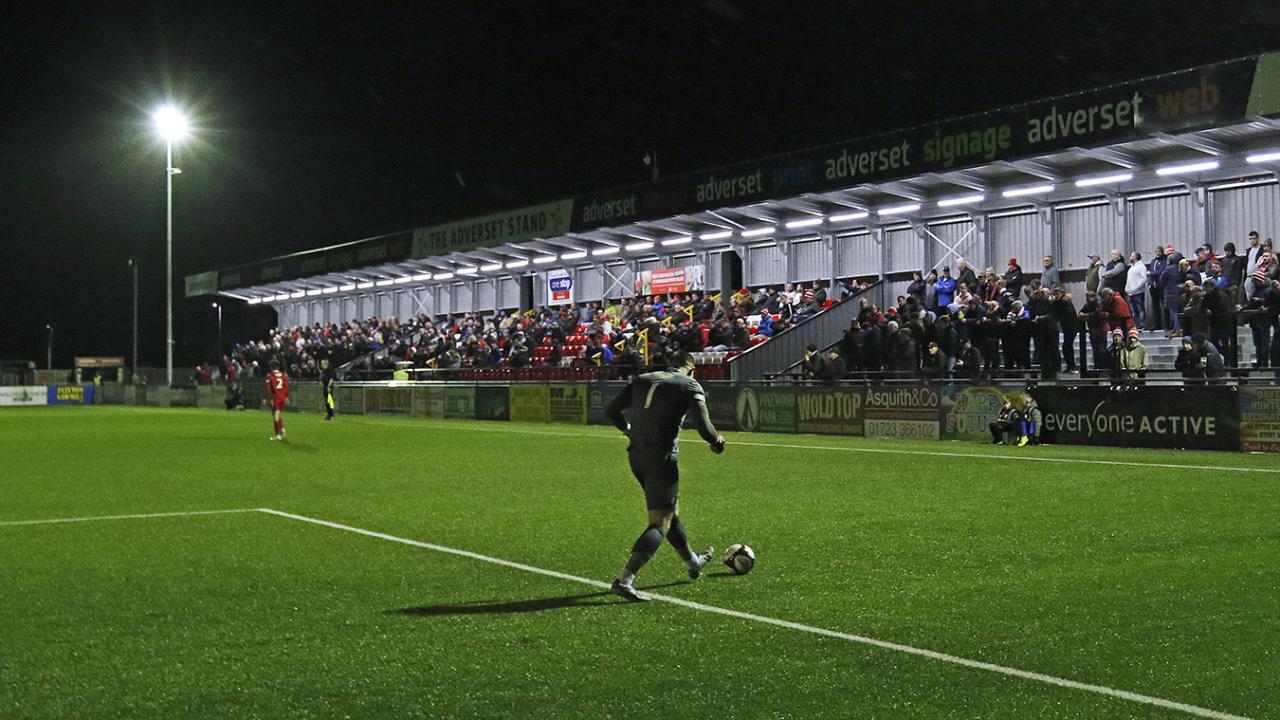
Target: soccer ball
[{"x": 740, "y": 558}]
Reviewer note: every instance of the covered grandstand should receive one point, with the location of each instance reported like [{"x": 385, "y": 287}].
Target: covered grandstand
[{"x": 1183, "y": 158}]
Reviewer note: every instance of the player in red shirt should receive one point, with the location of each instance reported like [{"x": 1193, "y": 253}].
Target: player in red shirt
[{"x": 278, "y": 395}]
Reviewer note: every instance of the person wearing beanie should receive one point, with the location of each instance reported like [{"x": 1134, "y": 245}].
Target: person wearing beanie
[
  {"x": 1232, "y": 268},
  {"x": 1133, "y": 358},
  {"x": 1013, "y": 280}
]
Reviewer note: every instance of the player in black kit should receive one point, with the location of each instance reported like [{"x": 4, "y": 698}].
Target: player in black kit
[{"x": 656, "y": 404}]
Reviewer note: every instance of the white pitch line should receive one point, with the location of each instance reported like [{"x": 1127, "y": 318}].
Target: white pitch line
[
  {"x": 883, "y": 451},
  {"x": 54, "y": 521},
  {"x": 861, "y": 639}
]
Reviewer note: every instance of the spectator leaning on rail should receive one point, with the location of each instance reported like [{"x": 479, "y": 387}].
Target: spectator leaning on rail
[
  {"x": 1135, "y": 289},
  {"x": 1116, "y": 310},
  {"x": 1209, "y": 361}
]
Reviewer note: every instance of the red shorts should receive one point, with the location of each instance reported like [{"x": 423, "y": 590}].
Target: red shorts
[{"x": 277, "y": 402}]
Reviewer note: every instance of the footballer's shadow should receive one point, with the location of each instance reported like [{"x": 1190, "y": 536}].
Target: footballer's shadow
[
  {"x": 490, "y": 607},
  {"x": 300, "y": 447}
]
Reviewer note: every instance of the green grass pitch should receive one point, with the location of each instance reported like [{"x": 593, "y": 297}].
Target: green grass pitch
[{"x": 1155, "y": 580}]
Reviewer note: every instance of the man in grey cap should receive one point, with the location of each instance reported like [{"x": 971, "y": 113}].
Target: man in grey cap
[{"x": 1092, "y": 276}]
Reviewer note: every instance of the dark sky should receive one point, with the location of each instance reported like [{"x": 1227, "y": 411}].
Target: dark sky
[{"x": 321, "y": 123}]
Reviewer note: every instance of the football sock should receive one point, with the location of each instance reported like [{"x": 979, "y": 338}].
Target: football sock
[
  {"x": 646, "y": 545},
  {"x": 679, "y": 540}
]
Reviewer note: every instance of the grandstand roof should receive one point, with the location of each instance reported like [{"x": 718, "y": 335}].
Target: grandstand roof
[{"x": 1196, "y": 128}]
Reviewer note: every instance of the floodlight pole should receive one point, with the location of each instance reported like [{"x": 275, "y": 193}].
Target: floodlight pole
[
  {"x": 49, "y": 349},
  {"x": 218, "y": 307},
  {"x": 168, "y": 276},
  {"x": 134, "y": 264}
]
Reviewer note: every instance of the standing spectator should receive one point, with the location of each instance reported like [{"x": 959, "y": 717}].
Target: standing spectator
[
  {"x": 1070, "y": 324},
  {"x": 1092, "y": 276},
  {"x": 1113, "y": 275},
  {"x": 819, "y": 294},
  {"x": 944, "y": 290},
  {"x": 1045, "y": 319},
  {"x": 1049, "y": 278},
  {"x": 931, "y": 289},
  {"x": 916, "y": 288},
  {"x": 1263, "y": 315},
  {"x": 1096, "y": 326},
  {"x": 1252, "y": 255},
  {"x": 1013, "y": 281},
  {"x": 1155, "y": 282},
  {"x": 1175, "y": 274},
  {"x": 965, "y": 275},
  {"x": 1232, "y": 271},
  {"x": 1135, "y": 288},
  {"x": 1263, "y": 272}
]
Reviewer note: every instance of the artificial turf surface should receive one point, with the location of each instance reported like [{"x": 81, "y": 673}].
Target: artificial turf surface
[{"x": 1154, "y": 580}]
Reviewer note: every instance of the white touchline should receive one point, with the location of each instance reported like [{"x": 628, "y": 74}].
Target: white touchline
[
  {"x": 883, "y": 451},
  {"x": 883, "y": 644},
  {"x": 55, "y": 521}
]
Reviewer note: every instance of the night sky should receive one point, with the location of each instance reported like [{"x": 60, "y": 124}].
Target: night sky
[{"x": 320, "y": 123}]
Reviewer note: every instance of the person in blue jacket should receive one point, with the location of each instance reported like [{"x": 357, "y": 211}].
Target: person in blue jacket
[{"x": 944, "y": 290}]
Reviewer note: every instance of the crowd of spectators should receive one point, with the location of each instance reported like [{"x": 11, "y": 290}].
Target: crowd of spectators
[
  {"x": 628, "y": 332},
  {"x": 970, "y": 324}
]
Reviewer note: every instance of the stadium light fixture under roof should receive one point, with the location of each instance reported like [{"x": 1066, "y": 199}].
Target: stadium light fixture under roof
[
  {"x": 640, "y": 246},
  {"x": 468, "y": 270},
  {"x": 1026, "y": 190},
  {"x": 1104, "y": 179},
  {"x": 544, "y": 259},
  {"x": 608, "y": 250},
  {"x": 685, "y": 240},
  {"x": 1262, "y": 157},
  {"x": 846, "y": 217},
  {"x": 961, "y": 200},
  {"x": 347, "y": 288},
  {"x": 899, "y": 209},
  {"x": 517, "y": 264},
  {"x": 364, "y": 286},
  {"x": 491, "y": 267},
  {"x": 1191, "y": 167},
  {"x": 717, "y": 235},
  {"x": 804, "y": 223},
  {"x": 576, "y": 255},
  {"x": 757, "y": 232},
  {"x": 445, "y": 276}
]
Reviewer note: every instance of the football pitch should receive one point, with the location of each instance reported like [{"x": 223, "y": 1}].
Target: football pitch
[{"x": 400, "y": 568}]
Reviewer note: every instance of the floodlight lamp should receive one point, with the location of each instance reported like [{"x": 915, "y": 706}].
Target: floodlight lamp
[{"x": 171, "y": 123}]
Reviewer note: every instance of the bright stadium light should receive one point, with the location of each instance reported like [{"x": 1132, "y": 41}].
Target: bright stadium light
[
  {"x": 468, "y": 270},
  {"x": 444, "y": 276},
  {"x": 1191, "y": 167},
  {"x": 517, "y": 264},
  {"x": 1262, "y": 157},
  {"x": 685, "y": 239},
  {"x": 544, "y": 259},
  {"x": 899, "y": 209},
  {"x": 298, "y": 294},
  {"x": 172, "y": 126},
  {"x": 757, "y": 232},
  {"x": 804, "y": 223},
  {"x": 254, "y": 301},
  {"x": 575, "y": 255},
  {"x": 1104, "y": 179},
  {"x": 171, "y": 123},
  {"x": 313, "y": 293},
  {"x": 609, "y": 250},
  {"x": 281, "y": 297},
  {"x": 717, "y": 235},
  {"x": 846, "y": 217},
  {"x": 961, "y": 200},
  {"x": 347, "y": 288},
  {"x": 330, "y": 290},
  {"x": 493, "y": 267},
  {"x": 385, "y": 283},
  {"x": 420, "y": 277},
  {"x": 364, "y": 286},
  {"x": 1028, "y": 190},
  {"x": 640, "y": 246}
]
